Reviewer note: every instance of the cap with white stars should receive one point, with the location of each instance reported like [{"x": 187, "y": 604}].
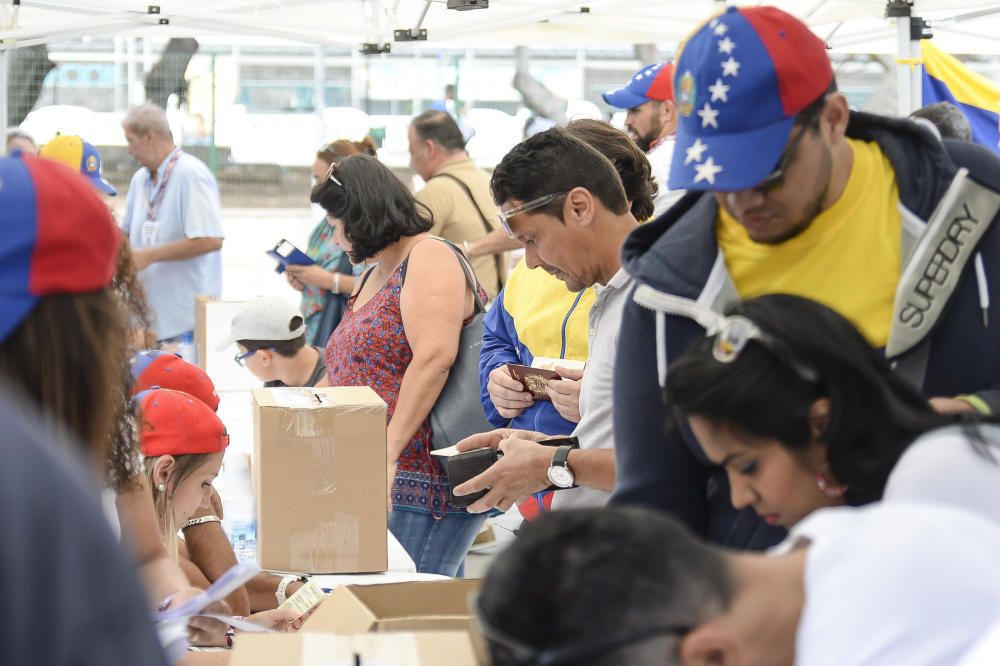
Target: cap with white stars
[
  {"x": 651, "y": 83},
  {"x": 740, "y": 80}
]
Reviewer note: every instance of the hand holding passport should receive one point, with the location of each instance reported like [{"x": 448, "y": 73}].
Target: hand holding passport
[{"x": 535, "y": 378}]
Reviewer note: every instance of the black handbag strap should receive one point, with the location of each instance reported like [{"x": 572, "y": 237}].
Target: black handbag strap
[
  {"x": 468, "y": 193},
  {"x": 470, "y": 279},
  {"x": 486, "y": 225}
]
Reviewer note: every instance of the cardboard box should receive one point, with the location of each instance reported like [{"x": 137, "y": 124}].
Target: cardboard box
[
  {"x": 317, "y": 649},
  {"x": 319, "y": 468},
  {"x": 419, "y": 606}
]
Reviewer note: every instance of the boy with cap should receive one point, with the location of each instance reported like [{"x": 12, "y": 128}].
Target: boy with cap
[
  {"x": 872, "y": 216},
  {"x": 651, "y": 121},
  {"x": 270, "y": 335}
]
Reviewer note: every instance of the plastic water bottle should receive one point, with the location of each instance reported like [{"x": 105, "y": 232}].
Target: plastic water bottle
[
  {"x": 186, "y": 349},
  {"x": 240, "y": 520}
]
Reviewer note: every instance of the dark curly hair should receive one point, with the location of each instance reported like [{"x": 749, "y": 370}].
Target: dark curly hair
[
  {"x": 874, "y": 416},
  {"x": 374, "y": 206},
  {"x": 630, "y": 162},
  {"x": 123, "y": 461},
  {"x": 556, "y": 161}
]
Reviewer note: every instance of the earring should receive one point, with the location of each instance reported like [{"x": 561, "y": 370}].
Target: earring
[
  {"x": 161, "y": 487},
  {"x": 830, "y": 490}
]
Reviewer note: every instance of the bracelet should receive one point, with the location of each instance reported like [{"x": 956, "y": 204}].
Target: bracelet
[
  {"x": 336, "y": 283},
  {"x": 976, "y": 403},
  {"x": 199, "y": 521},
  {"x": 280, "y": 595}
]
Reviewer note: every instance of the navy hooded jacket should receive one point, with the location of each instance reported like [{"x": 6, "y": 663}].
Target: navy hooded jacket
[{"x": 957, "y": 350}]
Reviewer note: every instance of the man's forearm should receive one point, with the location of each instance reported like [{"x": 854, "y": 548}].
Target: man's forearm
[
  {"x": 593, "y": 468},
  {"x": 186, "y": 248},
  {"x": 495, "y": 242}
]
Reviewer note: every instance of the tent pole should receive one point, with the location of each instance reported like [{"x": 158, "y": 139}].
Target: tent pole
[{"x": 903, "y": 70}]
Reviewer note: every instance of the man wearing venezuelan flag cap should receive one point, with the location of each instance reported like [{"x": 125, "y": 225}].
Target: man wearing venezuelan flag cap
[{"x": 790, "y": 191}]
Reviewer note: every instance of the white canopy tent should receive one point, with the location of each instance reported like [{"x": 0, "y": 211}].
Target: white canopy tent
[
  {"x": 848, "y": 26},
  {"x": 851, "y": 26}
]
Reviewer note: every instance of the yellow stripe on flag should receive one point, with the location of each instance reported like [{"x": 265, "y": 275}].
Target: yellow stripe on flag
[{"x": 966, "y": 86}]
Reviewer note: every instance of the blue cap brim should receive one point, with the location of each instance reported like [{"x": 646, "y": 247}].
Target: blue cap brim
[
  {"x": 13, "y": 310},
  {"x": 103, "y": 185},
  {"x": 746, "y": 158},
  {"x": 623, "y": 99}
]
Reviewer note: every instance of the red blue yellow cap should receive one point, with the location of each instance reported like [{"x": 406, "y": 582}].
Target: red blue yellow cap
[
  {"x": 76, "y": 153},
  {"x": 57, "y": 236}
]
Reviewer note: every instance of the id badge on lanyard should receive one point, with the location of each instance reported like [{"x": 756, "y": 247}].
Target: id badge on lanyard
[
  {"x": 148, "y": 233},
  {"x": 154, "y": 202}
]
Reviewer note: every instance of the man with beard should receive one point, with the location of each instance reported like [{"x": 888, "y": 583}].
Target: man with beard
[
  {"x": 869, "y": 215},
  {"x": 564, "y": 201},
  {"x": 651, "y": 121}
]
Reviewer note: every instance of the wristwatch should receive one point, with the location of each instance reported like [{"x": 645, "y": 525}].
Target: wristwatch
[{"x": 559, "y": 472}]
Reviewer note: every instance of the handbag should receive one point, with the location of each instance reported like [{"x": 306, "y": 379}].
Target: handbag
[{"x": 458, "y": 412}]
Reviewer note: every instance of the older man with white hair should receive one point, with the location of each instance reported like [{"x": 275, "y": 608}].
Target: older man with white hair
[{"x": 173, "y": 218}]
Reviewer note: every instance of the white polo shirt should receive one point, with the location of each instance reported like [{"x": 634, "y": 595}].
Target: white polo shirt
[{"x": 189, "y": 208}]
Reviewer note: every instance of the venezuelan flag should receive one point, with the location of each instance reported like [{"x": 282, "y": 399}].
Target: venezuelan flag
[{"x": 946, "y": 79}]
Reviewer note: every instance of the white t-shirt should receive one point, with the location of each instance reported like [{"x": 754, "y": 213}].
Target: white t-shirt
[
  {"x": 945, "y": 467},
  {"x": 896, "y": 584},
  {"x": 986, "y": 651},
  {"x": 659, "y": 157}
]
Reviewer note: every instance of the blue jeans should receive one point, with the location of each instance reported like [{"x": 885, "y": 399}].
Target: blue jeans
[{"x": 436, "y": 546}]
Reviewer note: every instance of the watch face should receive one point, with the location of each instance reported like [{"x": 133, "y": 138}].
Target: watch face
[{"x": 560, "y": 476}]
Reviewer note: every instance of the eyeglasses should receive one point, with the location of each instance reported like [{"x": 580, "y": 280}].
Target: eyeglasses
[
  {"x": 241, "y": 358},
  {"x": 731, "y": 334},
  {"x": 534, "y": 204},
  {"x": 584, "y": 648},
  {"x": 776, "y": 178}
]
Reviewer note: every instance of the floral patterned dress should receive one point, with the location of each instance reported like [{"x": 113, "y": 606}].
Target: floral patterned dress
[{"x": 369, "y": 348}]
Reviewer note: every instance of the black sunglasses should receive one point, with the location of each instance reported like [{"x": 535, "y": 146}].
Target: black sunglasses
[{"x": 807, "y": 120}]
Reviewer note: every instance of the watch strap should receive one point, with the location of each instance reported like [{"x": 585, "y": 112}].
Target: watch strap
[{"x": 561, "y": 456}]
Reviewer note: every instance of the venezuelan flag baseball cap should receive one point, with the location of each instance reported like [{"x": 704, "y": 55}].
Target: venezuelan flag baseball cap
[
  {"x": 76, "y": 153},
  {"x": 651, "y": 83},
  {"x": 56, "y": 236},
  {"x": 739, "y": 82},
  {"x": 175, "y": 423},
  {"x": 152, "y": 368}
]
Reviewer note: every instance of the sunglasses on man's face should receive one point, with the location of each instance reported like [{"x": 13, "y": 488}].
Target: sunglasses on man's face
[
  {"x": 505, "y": 215},
  {"x": 776, "y": 178}
]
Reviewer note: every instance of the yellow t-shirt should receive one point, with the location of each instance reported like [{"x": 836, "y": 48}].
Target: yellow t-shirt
[{"x": 847, "y": 259}]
